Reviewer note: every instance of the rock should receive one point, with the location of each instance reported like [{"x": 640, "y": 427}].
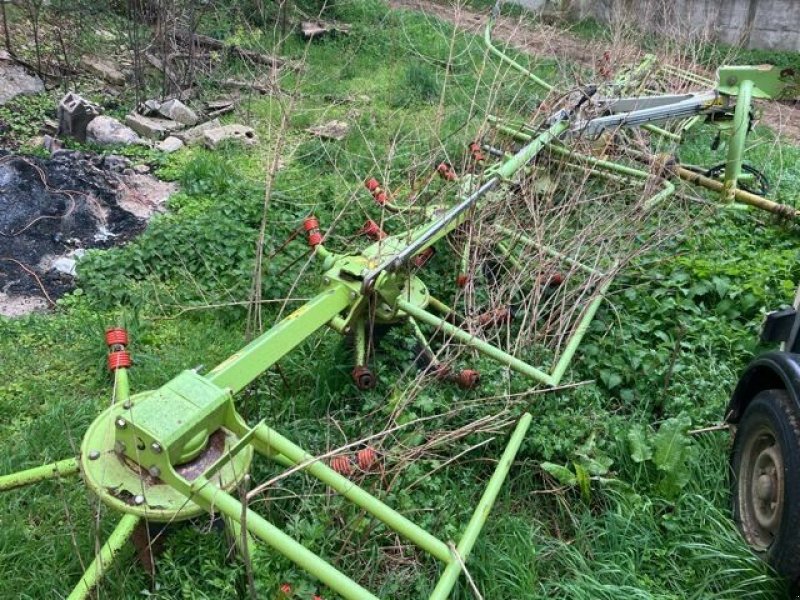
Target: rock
[
  {"x": 313, "y": 29},
  {"x": 108, "y": 130},
  {"x": 15, "y": 81},
  {"x": 64, "y": 265},
  {"x": 149, "y": 108},
  {"x": 170, "y": 144},
  {"x": 155, "y": 129},
  {"x": 195, "y": 134},
  {"x": 115, "y": 162},
  {"x": 74, "y": 115},
  {"x": 177, "y": 111},
  {"x": 141, "y": 169},
  {"x": 51, "y": 144},
  {"x": 104, "y": 69},
  {"x": 332, "y": 130},
  {"x": 239, "y": 133}
]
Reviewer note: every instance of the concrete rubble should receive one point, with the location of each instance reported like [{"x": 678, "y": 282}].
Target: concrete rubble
[
  {"x": 242, "y": 134},
  {"x": 151, "y": 127},
  {"x": 74, "y": 115},
  {"x": 16, "y": 81},
  {"x": 332, "y": 130},
  {"x": 108, "y": 130},
  {"x": 170, "y": 145}
]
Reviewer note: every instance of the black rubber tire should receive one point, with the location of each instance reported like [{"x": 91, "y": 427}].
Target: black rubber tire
[{"x": 770, "y": 413}]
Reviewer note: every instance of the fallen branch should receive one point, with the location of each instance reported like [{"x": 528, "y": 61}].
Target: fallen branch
[{"x": 206, "y": 41}]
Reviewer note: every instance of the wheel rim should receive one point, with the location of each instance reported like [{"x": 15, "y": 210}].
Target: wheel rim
[{"x": 761, "y": 485}]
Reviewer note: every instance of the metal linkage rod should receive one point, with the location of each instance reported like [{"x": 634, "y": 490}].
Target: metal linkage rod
[
  {"x": 472, "y": 341},
  {"x": 393, "y": 519},
  {"x": 68, "y": 466},
  {"x": 215, "y": 499},
  {"x": 105, "y": 557},
  {"x": 448, "y": 579}
]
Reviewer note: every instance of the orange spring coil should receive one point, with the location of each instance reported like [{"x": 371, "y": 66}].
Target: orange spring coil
[
  {"x": 446, "y": 171},
  {"x": 374, "y": 187},
  {"x": 373, "y": 231},
  {"x": 367, "y": 457},
  {"x": 116, "y": 336},
  {"x": 311, "y": 225},
  {"x": 120, "y": 359},
  {"x": 475, "y": 150},
  {"x": 341, "y": 464},
  {"x": 423, "y": 257}
]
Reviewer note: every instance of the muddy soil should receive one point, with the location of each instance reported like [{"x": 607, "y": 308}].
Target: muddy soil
[{"x": 53, "y": 210}]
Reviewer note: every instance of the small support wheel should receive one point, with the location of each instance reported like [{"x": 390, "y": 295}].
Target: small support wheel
[
  {"x": 765, "y": 465},
  {"x": 364, "y": 378}
]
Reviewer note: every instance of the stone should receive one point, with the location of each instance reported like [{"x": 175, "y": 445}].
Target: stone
[
  {"x": 108, "y": 130},
  {"x": 104, "y": 69},
  {"x": 141, "y": 169},
  {"x": 170, "y": 144},
  {"x": 16, "y": 81},
  {"x": 155, "y": 129},
  {"x": 195, "y": 134},
  {"x": 64, "y": 265},
  {"x": 237, "y": 133},
  {"x": 115, "y": 162},
  {"x": 177, "y": 111},
  {"x": 332, "y": 130},
  {"x": 74, "y": 115}
]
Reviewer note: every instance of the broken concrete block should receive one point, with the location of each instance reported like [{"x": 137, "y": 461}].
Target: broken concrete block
[
  {"x": 74, "y": 115},
  {"x": 238, "y": 133},
  {"x": 108, "y": 130},
  {"x": 177, "y": 111},
  {"x": 104, "y": 69},
  {"x": 195, "y": 134},
  {"x": 155, "y": 129},
  {"x": 16, "y": 81},
  {"x": 332, "y": 130},
  {"x": 170, "y": 144}
]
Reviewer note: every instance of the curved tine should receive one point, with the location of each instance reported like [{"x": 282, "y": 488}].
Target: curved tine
[{"x": 68, "y": 466}]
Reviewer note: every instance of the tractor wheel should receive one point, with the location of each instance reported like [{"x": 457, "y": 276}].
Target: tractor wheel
[{"x": 765, "y": 465}]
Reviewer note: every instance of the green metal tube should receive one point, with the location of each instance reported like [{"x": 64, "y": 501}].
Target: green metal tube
[
  {"x": 548, "y": 250},
  {"x": 506, "y": 252},
  {"x": 524, "y": 156},
  {"x": 214, "y": 499},
  {"x": 243, "y": 367},
  {"x": 662, "y": 132},
  {"x": 360, "y": 342},
  {"x": 487, "y": 39},
  {"x": 276, "y": 442},
  {"x": 122, "y": 388},
  {"x": 105, "y": 557},
  {"x": 439, "y": 306},
  {"x": 741, "y": 117},
  {"x": 577, "y": 336},
  {"x": 470, "y": 340},
  {"x": 68, "y": 466},
  {"x": 448, "y": 579}
]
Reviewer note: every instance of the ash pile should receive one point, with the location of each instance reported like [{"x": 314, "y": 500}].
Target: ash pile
[{"x": 53, "y": 210}]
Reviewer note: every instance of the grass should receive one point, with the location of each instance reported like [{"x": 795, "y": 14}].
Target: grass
[{"x": 680, "y": 325}]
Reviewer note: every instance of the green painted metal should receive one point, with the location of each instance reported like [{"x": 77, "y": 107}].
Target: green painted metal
[
  {"x": 267, "y": 349},
  {"x": 62, "y": 468},
  {"x": 275, "y": 442},
  {"x": 105, "y": 557},
  {"x": 741, "y": 124},
  {"x": 215, "y": 500},
  {"x": 487, "y": 39},
  {"x": 470, "y": 340},
  {"x": 448, "y": 579},
  {"x": 766, "y": 81}
]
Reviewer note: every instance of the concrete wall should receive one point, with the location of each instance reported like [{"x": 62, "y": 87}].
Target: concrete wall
[{"x": 769, "y": 24}]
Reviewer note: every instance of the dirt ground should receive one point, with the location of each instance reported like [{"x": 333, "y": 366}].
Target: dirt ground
[
  {"x": 53, "y": 210},
  {"x": 544, "y": 40}
]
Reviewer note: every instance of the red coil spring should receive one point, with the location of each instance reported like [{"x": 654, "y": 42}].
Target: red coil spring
[
  {"x": 374, "y": 187},
  {"x": 366, "y": 458},
  {"x": 373, "y": 231},
  {"x": 342, "y": 465},
  {"x": 423, "y": 257},
  {"x": 311, "y": 225},
  {"x": 461, "y": 280},
  {"x": 120, "y": 359},
  {"x": 446, "y": 171},
  {"x": 475, "y": 151},
  {"x": 468, "y": 379},
  {"x": 116, "y": 336}
]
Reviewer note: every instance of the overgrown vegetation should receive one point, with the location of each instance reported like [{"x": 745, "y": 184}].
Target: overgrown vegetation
[{"x": 613, "y": 495}]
